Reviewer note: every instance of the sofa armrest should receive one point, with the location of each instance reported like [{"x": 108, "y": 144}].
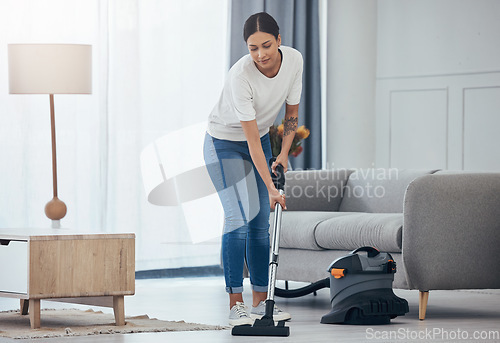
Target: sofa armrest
[
  {"x": 315, "y": 190},
  {"x": 451, "y": 231}
]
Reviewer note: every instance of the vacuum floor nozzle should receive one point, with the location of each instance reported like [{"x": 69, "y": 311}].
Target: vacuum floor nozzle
[{"x": 260, "y": 328}]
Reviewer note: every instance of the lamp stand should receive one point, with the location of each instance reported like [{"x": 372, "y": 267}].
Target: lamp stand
[{"x": 55, "y": 209}]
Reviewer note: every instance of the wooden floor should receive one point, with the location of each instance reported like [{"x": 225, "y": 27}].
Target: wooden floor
[{"x": 450, "y": 315}]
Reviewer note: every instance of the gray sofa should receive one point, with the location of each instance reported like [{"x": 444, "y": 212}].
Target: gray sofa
[{"x": 442, "y": 228}]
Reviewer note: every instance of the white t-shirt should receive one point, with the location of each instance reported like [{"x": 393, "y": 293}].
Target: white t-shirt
[{"x": 248, "y": 94}]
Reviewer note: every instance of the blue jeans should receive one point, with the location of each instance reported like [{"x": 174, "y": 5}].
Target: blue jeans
[{"x": 245, "y": 200}]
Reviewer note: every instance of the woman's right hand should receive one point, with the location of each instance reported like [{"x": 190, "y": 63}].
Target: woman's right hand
[{"x": 276, "y": 197}]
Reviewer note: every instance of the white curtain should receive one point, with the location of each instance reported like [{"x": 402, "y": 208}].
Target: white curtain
[{"x": 158, "y": 66}]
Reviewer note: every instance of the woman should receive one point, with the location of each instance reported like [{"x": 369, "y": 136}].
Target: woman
[{"x": 237, "y": 150}]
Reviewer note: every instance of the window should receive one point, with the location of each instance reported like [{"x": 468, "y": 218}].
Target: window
[{"x": 158, "y": 66}]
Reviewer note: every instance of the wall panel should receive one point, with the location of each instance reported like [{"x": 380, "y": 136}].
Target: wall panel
[
  {"x": 438, "y": 84},
  {"x": 481, "y": 133},
  {"x": 419, "y": 128}
]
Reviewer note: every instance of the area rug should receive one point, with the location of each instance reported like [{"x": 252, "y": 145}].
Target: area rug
[{"x": 73, "y": 322}]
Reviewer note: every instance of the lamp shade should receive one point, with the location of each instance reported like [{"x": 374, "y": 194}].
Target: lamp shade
[{"x": 50, "y": 69}]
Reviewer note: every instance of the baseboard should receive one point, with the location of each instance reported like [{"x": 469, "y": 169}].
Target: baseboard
[{"x": 202, "y": 271}]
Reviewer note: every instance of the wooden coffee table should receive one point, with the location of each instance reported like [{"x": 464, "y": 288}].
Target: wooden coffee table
[{"x": 61, "y": 265}]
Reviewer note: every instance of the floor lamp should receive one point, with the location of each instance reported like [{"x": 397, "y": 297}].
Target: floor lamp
[{"x": 51, "y": 69}]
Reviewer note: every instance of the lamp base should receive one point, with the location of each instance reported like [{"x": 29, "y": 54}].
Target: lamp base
[
  {"x": 56, "y": 224},
  {"x": 55, "y": 209}
]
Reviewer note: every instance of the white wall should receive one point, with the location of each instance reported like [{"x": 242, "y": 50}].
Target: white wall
[
  {"x": 438, "y": 84},
  {"x": 351, "y": 66},
  {"x": 434, "y": 66}
]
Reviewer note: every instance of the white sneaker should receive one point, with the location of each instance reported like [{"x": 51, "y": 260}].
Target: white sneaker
[
  {"x": 278, "y": 315},
  {"x": 239, "y": 315}
]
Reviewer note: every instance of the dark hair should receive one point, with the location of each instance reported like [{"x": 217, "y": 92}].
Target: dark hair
[{"x": 260, "y": 22}]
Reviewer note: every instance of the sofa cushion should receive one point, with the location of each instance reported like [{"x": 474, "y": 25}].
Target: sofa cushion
[
  {"x": 378, "y": 190},
  {"x": 379, "y": 230},
  {"x": 315, "y": 190},
  {"x": 298, "y": 228}
]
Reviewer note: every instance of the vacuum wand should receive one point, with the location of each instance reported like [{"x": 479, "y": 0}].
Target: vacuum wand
[
  {"x": 279, "y": 182},
  {"x": 265, "y": 326},
  {"x": 273, "y": 264}
]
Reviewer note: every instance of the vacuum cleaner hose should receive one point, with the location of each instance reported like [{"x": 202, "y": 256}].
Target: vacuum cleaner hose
[{"x": 299, "y": 292}]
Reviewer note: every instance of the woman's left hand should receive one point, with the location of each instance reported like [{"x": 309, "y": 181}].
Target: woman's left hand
[{"x": 281, "y": 159}]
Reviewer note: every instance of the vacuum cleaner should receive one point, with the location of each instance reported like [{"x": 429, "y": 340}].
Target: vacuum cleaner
[
  {"x": 360, "y": 289},
  {"x": 265, "y": 326}
]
